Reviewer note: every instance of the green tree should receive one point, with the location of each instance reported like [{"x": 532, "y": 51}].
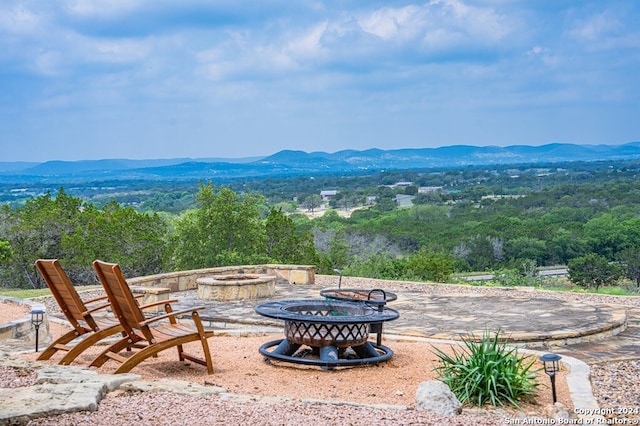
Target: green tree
[
  {"x": 480, "y": 253},
  {"x": 411, "y": 190},
  {"x": 5, "y": 252},
  {"x": 429, "y": 266},
  {"x": 335, "y": 257},
  {"x": 526, "y": 248},
  {"x": 564, "y": 246},
  {"x": 592, "y": 270},
  {"x": 77, "y": 233},
  {"x": 312, "y": 202},
  {"x": 630, "y": 260},
  {"x": 285, "y": 244},
  {"x": 605, "y": 235},
  {"x": 225, "y": 229},
  {"x": 379, "y": 265},
  {"x": 35, "y": 231},
  {"x": 116, "y": 234},
  {"x": 525, "y": 273}
]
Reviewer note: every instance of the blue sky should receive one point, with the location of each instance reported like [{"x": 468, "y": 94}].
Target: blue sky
[{"x": 91, "y": 79}]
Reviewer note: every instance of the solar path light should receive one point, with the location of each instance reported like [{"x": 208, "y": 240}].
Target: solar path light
[
  {"x": 37, "y": 317},
  {"x": 551, "y": 367}
]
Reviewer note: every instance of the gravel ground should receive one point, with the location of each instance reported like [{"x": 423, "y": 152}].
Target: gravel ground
[
  {"x": 615, "y": 386},
  {"x": 171, "y": 409}
]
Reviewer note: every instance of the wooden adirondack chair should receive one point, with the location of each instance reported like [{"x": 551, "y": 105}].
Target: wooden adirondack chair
[
  {"x": 137, "y": 328},
  {"x": 94, "y": 328}
]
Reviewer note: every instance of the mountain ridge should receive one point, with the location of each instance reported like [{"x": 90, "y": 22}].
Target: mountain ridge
[{"x": 297, "y": 162}]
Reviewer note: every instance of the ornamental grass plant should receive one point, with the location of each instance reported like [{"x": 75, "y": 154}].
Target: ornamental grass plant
[{"x": 487, "y": 371}]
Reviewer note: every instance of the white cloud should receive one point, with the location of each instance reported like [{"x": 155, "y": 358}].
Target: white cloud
[
  {"x": 112, "y": 50},
  {"x": 596, "y": 27},
  {"x": 609, "y": 29},
  {"x": 48, "y": 62},
  {"x": 354, "y": 64},
  {"x": 307, "y": 44},
  {"x": 18, "y": 20},
  {"x": 419, "y": 29},
  {"x": 98, "y": 8},
  {"x": 395, "y": 24}
]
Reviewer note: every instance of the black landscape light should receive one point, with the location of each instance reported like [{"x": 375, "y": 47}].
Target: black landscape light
[
  {"x": 37, "y": 317},
  {"x": 551, "y": 367}
]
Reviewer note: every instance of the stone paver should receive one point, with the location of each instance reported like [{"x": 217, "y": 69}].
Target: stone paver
[
  {"x": 529, "y": 318},
  {"x": 583, "y": 333},
  {"x": 622, "y": 347},
  {"x": 59, "y": 389}
]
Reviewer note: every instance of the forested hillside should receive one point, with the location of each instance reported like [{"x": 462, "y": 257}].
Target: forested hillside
[{"x": 472, "y": 219}]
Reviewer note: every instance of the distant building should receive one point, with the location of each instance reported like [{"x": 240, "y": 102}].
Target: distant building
[
  {"x": 428, "y": 189},
  {"x": 402, "y": 184},
  {"x": 404, "y": 200},
  {"x": 371, "y": 200},
  {"x": 328, "y": 195}
]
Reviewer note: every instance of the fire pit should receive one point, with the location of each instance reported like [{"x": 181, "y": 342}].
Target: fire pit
[
  {"x": 376, "y": 297},
  {"x": 336, "y": 332},
  {"x": 236, "y": 287}
]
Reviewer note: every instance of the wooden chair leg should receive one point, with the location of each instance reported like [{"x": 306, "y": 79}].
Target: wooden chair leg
[
  {"x": 207, "y": 354},
  {"x": 59, "y": 345},
  {"x": 87, "y": 342},
  {"x": 150, "y": 351},
  {"x": 111, "y": 352}
]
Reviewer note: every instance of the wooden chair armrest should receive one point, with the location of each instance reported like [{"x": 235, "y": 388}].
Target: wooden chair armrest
[
  {"x": 97, "y": 299},
  {"x": 96, "y": 308},
  {"x": 170, "y": 314},
  {"x": 158, "y": 303},
  {"x": 103, "y": 305}
]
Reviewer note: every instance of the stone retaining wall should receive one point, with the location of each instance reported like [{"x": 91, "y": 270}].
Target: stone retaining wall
[
  {"x": 22, "y": 328},
  {"x": 186, "y": 280}
]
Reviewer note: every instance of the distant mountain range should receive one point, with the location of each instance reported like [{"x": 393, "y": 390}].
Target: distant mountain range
[{"x": 288, "y": 162}]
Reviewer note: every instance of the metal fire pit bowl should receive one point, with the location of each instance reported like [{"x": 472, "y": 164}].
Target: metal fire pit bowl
[
  {"x": 376, "y": 297},
  {"x": 335, "y": 331}
]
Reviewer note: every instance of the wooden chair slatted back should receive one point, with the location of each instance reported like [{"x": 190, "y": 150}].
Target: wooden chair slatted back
[
  {"x": 124, "y": 305},
  {"x": 65, "y": 293}
]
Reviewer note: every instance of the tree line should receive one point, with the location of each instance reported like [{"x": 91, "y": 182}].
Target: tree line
[
  {"x": 586, "y": 218},
  {"x": 224, "y": 229},
  {"x": 587, "y": 226}
]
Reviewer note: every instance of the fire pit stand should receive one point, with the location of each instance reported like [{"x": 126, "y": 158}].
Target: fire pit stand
[
  {"x": 336, "y": 332},
  {"x": 376, "y": 297}
]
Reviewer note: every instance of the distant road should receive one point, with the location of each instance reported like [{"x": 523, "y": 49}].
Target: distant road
[
  {"x": 555, "y": 272},
  {"x": 559, "y": 271}
]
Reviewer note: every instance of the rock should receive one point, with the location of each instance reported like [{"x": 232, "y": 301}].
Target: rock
[
  {"x": 58, "y": 389},
  {"x": 168, "y": 385},
  {"x": 57, "y": 374},
  {"x": 9, "y": 360},
  {"x": 19, "y": 405},
  {"x": 436, "y": 397},
  {"x": 556, "y": 411}
]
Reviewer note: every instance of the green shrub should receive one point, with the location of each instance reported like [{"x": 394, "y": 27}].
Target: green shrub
[
  {"x": 593, "y": 270},
  {"x": 487, "y": 371},
  {"x": 427, "y": 265}
]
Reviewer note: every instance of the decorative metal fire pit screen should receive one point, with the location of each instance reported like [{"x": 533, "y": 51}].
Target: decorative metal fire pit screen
[{"x": 336, "y": 332}]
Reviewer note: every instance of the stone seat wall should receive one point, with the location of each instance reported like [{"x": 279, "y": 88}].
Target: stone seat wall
[
  {"x": 186, "y": 280},
  {"x": 22, "y": 328}
]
